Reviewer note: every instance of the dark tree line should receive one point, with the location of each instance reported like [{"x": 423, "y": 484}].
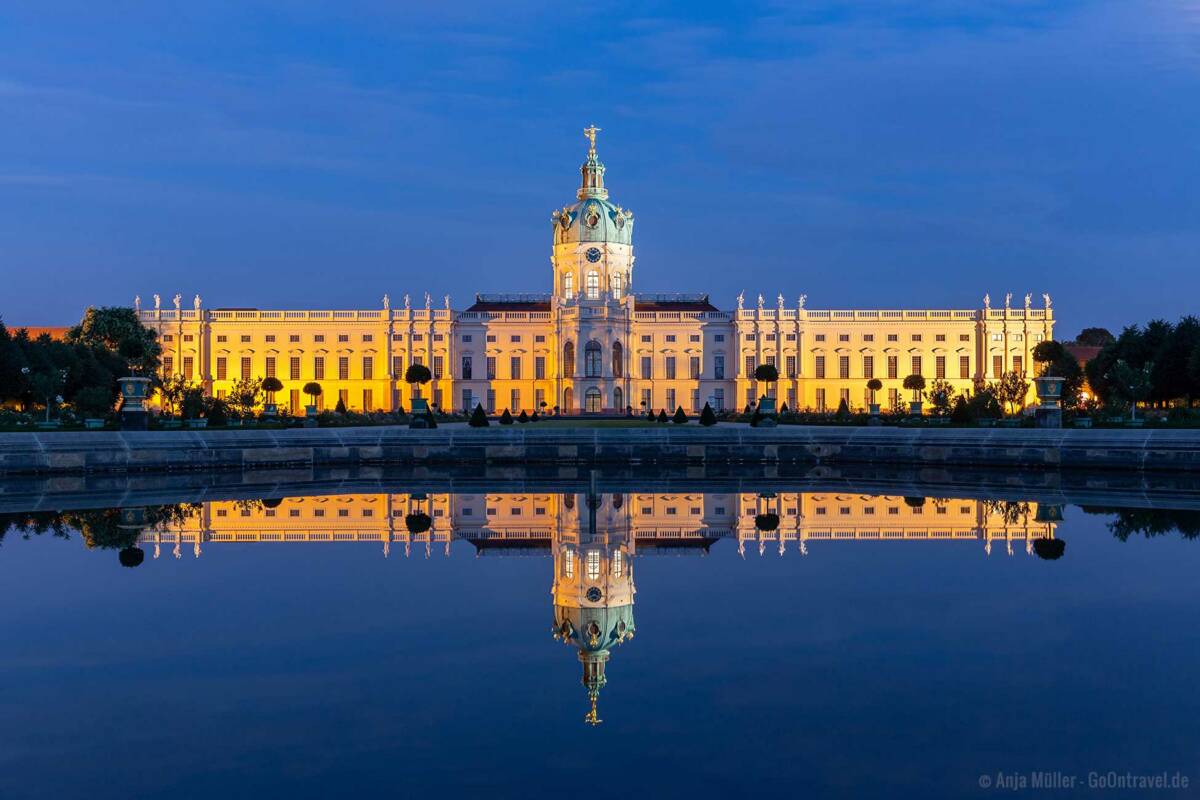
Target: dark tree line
[
  {"x": 107, "y": 344},
  {"x": 1158, "y": 364}
]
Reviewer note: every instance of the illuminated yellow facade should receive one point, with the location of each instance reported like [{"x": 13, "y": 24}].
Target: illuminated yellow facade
[{"x": 593, "y": 344}]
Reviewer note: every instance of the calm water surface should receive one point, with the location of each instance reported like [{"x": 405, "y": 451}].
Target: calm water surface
[{"x": 783, "y": 645}]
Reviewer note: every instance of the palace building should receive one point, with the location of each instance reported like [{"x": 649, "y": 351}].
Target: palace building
[{"x": 595, "y": 343}]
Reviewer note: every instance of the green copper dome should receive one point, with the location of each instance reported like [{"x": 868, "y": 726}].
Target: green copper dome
[{"x": 594, "y": 218}]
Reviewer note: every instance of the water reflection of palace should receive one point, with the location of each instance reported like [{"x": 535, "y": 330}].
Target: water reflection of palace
[{"x": 594, "y": 539}]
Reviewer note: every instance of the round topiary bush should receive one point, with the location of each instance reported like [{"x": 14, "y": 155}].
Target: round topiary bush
[
  {"x": 1049, "y": 549},
  {"x": 131, "y": 556},
  {"x": 766, "y": 522},
  {"x": 914, "y": 502},
  {"x": 418, "y": 522}
]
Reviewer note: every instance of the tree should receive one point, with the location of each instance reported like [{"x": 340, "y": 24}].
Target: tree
[
  {"x": 941, "y": 396},
  {"x": 1011, "y": 390},
  {"x": 1132, "y": 384},
  {"x": 191, "y": 403},
  {"x": 766, "y": 372},
  {"x": 843, "y": 410},
  {"x": 708, "y": 417},
  {"x": 984, "y": 404},
  {"x": 47, "y": 384},
  {"x": 1055, "y": 361},
  {"x": 873, "y": 386},
  {"x": 171, "y": 391},
  {"x": 679, "y": 418},
  {"x": 1095, "y": 337},
  {"x": 313, "y": 390},
  {"x": 118, "y": 330},
  {"x": 961, "y": 414},
  {"x": 506, "y": 418},
  {"x": 340, "y": 408},
  {"x": 271, "y": 385},
  {"x": 416, "y": 375},
  {"x": 246, "y": 395},
  {"x": 915, "y": 383},
  {"x": 95, "y": 401},
  {"x": 478, "y": 419}
]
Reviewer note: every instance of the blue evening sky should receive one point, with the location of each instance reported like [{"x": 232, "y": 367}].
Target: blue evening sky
[{"x": 868, "y": 154}]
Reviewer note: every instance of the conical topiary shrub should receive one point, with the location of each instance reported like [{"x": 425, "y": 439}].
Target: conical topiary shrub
[
  {"x": 662, "y": 415},
  {"x": 523, "y": 418},
  {"x": 506, "y": 418},
  {"x": 708, "y": 417},
  {"x": 534, "y": 417},
  {"x": 680, "y": 417},
  {"x": 131, "y": 556},
  {"x": 478, "y": 417}
]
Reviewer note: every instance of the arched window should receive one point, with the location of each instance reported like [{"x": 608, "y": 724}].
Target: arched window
[
  {"x": 568, "y": 399},
  {"x": 568, "y": 359},
  {"x": 616, "y": 286},
  {"x": 618, "y": 359},
  {"x": 618, "y": 399},
  {"x": 568, "y": 286},
  {"x": 593, "y": 285},
  {"x": 591, "y": 362},
  {"x": 591, "y": 401}
]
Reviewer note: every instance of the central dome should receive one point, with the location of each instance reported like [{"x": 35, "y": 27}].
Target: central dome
[{"x": 594, "y": 218}]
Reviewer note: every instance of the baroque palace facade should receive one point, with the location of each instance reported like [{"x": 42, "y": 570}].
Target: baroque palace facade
[{"x": 593, "y": 344}]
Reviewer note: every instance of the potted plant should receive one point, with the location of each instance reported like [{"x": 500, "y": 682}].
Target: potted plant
[
  {"x": 916, "y": 384},
  {"x": 416, "y": 376},
  {"x": 271, "y": 385},
  {"x": 768, "y": 374},
  {"x": 873, "y": 386}
]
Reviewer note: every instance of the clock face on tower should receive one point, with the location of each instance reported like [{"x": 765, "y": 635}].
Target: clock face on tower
[{"x": 593, "y": 254}]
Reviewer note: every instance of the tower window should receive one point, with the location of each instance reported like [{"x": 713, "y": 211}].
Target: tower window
[
  {"x": 593, "y": 285},
  {"x": 568, "y": 286},
  {"x": 616, "y": 286}
]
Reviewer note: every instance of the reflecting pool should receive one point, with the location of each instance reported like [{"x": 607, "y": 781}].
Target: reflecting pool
[{"x": 528, "y": 643}]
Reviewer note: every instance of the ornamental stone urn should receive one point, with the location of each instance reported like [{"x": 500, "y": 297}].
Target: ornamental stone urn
[
  {"x": 419, "y": 413},
  {"x": 134, "y": 391},
  {"x": 270, "y": 409},
  {"x": 1049, "y": 389},
  {"x": 914, "y": 408}
]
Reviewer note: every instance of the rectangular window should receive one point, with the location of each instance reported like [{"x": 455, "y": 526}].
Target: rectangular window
[
  {"x": 916, "y": 337},
  {"x": 491, "y": 368},
  {"x": 893, "y": 398},
  {"x": 670, "y": 337},
  {"x": 868, "y": 367},
  {"x": 719, "y": 399},
  {"x": 320, "y": 337},
  {"x": 645, "y": 339},
  {"x": 491, "y": 338},
  {"x": 515, "y": 405},
  {"x": 820, "y": 399},
  {"x": 514, "y": 368},
  {"x": 719, "y": 367},
  {"x": 670, "y": 401},
  {"x": 438, "y": 362},
  {"x": 791, "y": 366},
  {"x": 366, "y": 337},
  {"x": 819, "y": 367},
  {"x": 694, "y": 368},
  {"x": 719, "y": 337},
  {"x": 344, "y": 397},
  {"x": 941, "y": 337},
  {"x": 750, "y": 364},
  {"x": 844, "y": 367},
  {"x": 294, "y": 368},
  {"x": 893, "y": 367},
  {"x": 539, "y": 399},
  {"x": 397, "y": 367},
  {"x": 491, "y": 401},
  {"x": 270, "y": 367},
  {"x": 187, "y": 367},
  {"x": 269, "y": 338},
  {"x": 294, "y": 338},
  {"x": 939, "y": 367},
  {"x": 997, "y": 366},
  {"x": 319, "y": 368},
  {"x": 670, "y": 365},
  {"x": 539, "y": 339},
  {"x": 820, "y": 337},
  {"x": 695, "y": 401},
  {"x": 245, "y": 339},
  {"x": 367, "y": 400},
  {"x": 368, "y": 368},
  {"x": 647, "y": 367},
  {"x": 294, "y": 401},
  {"x": 1017, "y": 364},
  {"x": 844, "y": 397},
  {"x": 466, "y": 338},
  {"x": 539, "y": 368},
  {"x": 168, "y": 365},
  {"x": 916, "y": 366},
  {"x": 343, "y": 337},
  {"x": 893, "y": 337},
  {"x": 646, "y": 399},
  {"x": 749, "y": 396},
  {"x": 245, "y": 368},
  {"x": 964, "y": 367},
  {"x": 466, "y": 368},
  {"x": 843, "y": 337},
  {"x": 343, "y": 368},
  {"x": 868, "y": 337},
  {"x": 695, "y": 337},
  {"x": 514, "y": 338},
  {"x": 221, "y": 368},
  {"x": 468, "y": 404},
  {"x": 222, "y": 338},
  {"x": 964, "y": 337}
]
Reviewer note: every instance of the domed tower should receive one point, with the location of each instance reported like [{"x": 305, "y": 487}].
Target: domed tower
[
  {"x": 593, "y": 585},
  {"x": 593, "y": 240}
]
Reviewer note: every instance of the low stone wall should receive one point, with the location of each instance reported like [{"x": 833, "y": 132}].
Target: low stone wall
[{"x": 1165, "y": 450}]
